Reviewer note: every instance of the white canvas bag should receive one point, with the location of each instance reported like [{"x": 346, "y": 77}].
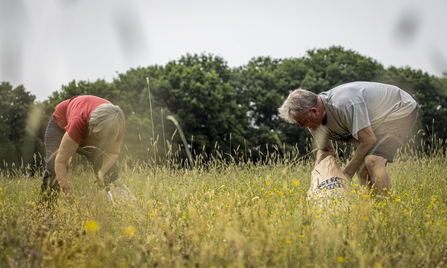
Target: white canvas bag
[{"x": 328, "y": 179}]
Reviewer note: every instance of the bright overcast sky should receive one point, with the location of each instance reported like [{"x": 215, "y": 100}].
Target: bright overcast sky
[{"x": 45, "y": 44}]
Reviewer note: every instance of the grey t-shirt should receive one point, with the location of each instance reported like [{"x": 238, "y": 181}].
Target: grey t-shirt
[{"x": 354, "y": 106}]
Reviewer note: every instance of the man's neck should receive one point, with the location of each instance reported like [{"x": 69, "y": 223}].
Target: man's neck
[{"x": 322, "y": 110}]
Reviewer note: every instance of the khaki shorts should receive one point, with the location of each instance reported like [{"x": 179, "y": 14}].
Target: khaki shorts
[{"x": 387, "y": 144}]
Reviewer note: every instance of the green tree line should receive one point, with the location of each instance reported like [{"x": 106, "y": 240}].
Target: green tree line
[{"x": 222, "y": 110}]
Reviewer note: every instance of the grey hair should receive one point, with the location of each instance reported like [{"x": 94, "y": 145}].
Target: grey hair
[
  {"x": 299, "y": 102},
  {"x": 107, "y": 119}
]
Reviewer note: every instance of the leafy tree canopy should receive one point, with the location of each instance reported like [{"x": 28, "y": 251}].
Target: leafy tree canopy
[{"x": 219, "y": 107}]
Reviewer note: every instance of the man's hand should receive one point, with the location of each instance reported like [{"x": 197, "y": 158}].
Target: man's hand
[
  {"x": 63, "y": 184},
  {"x": 66, "y": 196},
  {"x": 323, "y": 153},
  {"x": 100, "y": 180},
  {"x": 348, "y": 175}
]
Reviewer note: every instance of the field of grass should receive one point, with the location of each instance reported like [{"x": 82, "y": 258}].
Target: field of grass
[{"x": 229, "y": 215}]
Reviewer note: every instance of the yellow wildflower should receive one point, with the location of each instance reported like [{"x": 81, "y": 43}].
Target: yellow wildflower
[
  {"x": 129, "y": 231},
  {"x": 91, "y": 226}
]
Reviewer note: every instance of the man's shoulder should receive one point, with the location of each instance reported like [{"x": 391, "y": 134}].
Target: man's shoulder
[{"x": 345, "y": 94}]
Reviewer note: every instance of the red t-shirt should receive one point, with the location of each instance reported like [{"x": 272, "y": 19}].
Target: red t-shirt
[{"x": 73, "y": 116}]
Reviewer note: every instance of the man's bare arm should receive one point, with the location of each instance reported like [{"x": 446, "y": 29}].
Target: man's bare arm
[
  {"x": 322, "y": 153},
  {"x": 111, "y": 152},
  {"x": 367, "y": 139},
  {"x": 66, "y": 149}
]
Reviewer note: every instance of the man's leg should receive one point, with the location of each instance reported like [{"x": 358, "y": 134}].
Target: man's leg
[
  {"x": 379, "y": 178},
  {"x": 364, "y": 177},
  {"x": 390, "y": 139},
  {"x": 53, "y": 137}
]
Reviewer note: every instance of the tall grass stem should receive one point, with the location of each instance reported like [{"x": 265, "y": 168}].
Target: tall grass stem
[
  {"x": 183, "y": 138},
  {"x": 152, "y": 118}
]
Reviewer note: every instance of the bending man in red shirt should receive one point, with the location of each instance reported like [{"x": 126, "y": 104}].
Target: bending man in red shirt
[{"x": 90, "y": 126}]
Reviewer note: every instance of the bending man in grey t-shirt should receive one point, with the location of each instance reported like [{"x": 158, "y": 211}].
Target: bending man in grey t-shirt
[{"x": 375, "y": 116}]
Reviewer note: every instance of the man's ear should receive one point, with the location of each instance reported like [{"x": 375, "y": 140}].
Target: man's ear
[{"x": 314, "y": 110}]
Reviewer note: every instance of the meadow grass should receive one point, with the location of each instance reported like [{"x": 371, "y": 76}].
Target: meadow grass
[{"x": 229, "y": 214}]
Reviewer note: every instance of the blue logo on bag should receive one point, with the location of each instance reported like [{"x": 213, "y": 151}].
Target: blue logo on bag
[{"x": 331, "y": 184}]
